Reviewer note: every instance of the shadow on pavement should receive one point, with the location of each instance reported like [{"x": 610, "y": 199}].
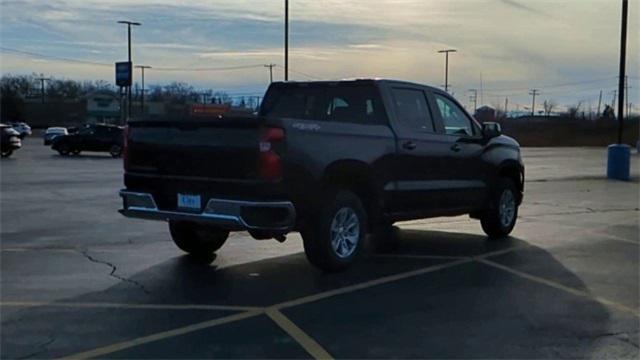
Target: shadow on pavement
[{"x": 470, "y": 310}]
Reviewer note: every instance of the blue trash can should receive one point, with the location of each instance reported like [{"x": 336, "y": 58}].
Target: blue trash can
[{"x": 619, "y": 161}]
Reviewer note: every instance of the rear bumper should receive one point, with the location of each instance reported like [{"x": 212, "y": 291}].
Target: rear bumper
[{"x": 228, "y": 214}]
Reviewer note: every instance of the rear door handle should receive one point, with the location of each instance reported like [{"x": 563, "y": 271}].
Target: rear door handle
[
  {"x": 455, "y": 148},
  {"x": 409, "y": 145}
]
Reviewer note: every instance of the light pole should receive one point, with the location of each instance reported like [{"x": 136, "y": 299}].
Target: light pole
[
  {"x": 446, "y": 67},
  {"x": 142, "y": 67},
  {"x": 129, "y": 24},
  {"x": 42, "y": 80},
  {"x": 286, "y": 40}
]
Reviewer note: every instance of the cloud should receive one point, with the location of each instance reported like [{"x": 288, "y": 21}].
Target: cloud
[{"x": 520, "y": 6}]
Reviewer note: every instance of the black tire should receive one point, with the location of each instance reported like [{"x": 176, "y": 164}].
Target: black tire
[
  {"x": 64, "y": 150},
  {"x": 115, "y": 151},
  {"x": 384, "y": 238},
  {"x": 6, "y": 154},
  {"x": 76, "y": 152},
  {"x": 198, "y": 240},
  {"x": 498, "y": 221},
  {"x": 334, "y": 250}
]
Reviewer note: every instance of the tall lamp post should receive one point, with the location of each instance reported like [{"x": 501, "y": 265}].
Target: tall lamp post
[
  {"x": 446, "y": 67},
  {"x": 619, "y": 154},
  {"x": 129, "y": 25},
  {"x": 286, "y": 40},
  {"x": 142, "y": 67}
]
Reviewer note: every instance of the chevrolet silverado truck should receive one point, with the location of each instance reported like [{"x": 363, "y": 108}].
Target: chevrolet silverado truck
[{"x": 336, "y": 161}]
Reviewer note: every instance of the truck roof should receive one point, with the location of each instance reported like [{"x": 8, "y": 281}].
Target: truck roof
[{"x": 352, "y": 81}]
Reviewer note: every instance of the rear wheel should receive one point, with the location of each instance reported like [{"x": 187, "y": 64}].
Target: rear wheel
[
  {"x": 196, "y": 239},
  {"x": 7, "y": 153},
  {"x": 334, "y": 240},
  {"x": 64, "y": 150},
  {"x": 76, "y": 152},
  {"x": 115, "y": 151},
  {"x": 500, "y": 219}
]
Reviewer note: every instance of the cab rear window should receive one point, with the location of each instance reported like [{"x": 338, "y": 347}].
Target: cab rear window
[{"x": 358, "y": 104}]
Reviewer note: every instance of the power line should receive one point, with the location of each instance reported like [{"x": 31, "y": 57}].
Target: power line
[{"x": 53, "y": 57}]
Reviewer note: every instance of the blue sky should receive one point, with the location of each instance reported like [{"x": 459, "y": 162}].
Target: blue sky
[{"x": 515, "y": 44}]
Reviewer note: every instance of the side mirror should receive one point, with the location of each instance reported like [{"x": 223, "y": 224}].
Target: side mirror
[{"x": 491, "y": 130}]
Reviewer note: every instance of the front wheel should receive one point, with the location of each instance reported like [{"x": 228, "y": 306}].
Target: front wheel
[
  {"x": 64, "y": 150},
  {"x": 500, "y": 219},
  {"x": 334, "y": 240},
  {"x": 196, "y": 239}
]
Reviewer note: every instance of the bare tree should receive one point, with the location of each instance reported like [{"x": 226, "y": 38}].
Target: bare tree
[{"x": 549, "y": 105}]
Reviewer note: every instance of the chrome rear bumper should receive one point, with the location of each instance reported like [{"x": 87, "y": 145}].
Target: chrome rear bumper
[{"x": 229, "y": 214}]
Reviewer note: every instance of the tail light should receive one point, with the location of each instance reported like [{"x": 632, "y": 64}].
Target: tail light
[
  {"x": 125, "y": 146},
  {"x": 270, "y": 163}
]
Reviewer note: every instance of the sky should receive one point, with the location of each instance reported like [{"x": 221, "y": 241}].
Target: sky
[{"x": 569, "y": 49}]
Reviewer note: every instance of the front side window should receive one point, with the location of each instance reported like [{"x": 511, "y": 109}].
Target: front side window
[
  {"x": 412, "y": 109},
  {"x": 456, "y": 122}
]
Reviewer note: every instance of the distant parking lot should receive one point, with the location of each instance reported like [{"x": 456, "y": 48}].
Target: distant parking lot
[{"x": 79, "y": 280}]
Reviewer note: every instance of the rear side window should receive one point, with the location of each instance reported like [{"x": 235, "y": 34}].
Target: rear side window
[
  {"x": 353, "y": 104},
  {"x": 412, "y": 109}
]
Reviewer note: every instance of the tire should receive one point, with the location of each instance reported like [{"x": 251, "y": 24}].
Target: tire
[
  {"x": 115, "y": 151},
  {"x": 384, "y": 238},
  {"x": 334, "y": 240},
  {"x": 195, "y": 239},
  {"x": 6, "y": 154},
  {"x": 76, "y": 152},
  {"x": 64, "y": 150},
  {"x": 500, "y": 219}
]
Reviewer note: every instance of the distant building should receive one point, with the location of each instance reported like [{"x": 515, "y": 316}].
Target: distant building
[{"x": 103, "y": 106}]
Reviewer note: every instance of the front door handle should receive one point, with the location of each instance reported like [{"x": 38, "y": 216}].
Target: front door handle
[
  {"x": 409, "y": 145},
  {"x": 455, "y": 148}
]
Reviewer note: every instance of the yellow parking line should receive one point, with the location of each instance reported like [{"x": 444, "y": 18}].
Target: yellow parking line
[
  {"x": 129, "y": 306},
  {"x": 412, "y": 256},
  {"x": 368, "y": 284},
  {"x": 162, "y": 335},
  {"x": 558, "y": 286},
  {"x": 306, "y": 341},
  {"x": 617, "y": 238}
]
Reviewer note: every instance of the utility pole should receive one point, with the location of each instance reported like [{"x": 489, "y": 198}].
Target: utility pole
[
  {"x": 534, "y": 92},
  {"x": 623, "y": 63},
  {"x": 599, "y": 105},
  {"x": 446, "y": 67},
  {"x": 129, "y": 24},
  {"x": 42, "y": 80},
  {"x": 474, "y": 98},
  {"x": 506, "y": 106},
  {"x": 613, "y": 102},
  {"x": 142, "y": 67},
  {"x": 270, "y": 66},
  {"x": 286, "y": 40}
]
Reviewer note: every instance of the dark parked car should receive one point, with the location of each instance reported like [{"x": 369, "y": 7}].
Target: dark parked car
[
  {"x": 90, "y": 138},
  {"x": 10, "y": 140},
  {"x": 333, "y": 160},
  {"x": 52, "y": 132}
]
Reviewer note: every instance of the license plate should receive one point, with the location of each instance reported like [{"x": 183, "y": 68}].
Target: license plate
[{"x": 189, "y": 201}]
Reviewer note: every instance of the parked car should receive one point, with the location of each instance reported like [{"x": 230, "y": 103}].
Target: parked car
[
  {"x": 333, "y": 160},
  {"x": 90, "y": 138},
  {"x": 52, "y": 132},
  {"x": 22, "y": 128},
  {"x": 10, "y": 140}
]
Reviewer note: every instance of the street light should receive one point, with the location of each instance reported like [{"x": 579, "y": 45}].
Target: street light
[
  {"x": 286, "y": 40},
  {"x": 446, "y": 70},
  {"x": 129, "y": 25},
  {"x": 142, "y": 67}
]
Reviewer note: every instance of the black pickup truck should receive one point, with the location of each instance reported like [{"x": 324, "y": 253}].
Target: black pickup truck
[{"x": 334, "y": 160}]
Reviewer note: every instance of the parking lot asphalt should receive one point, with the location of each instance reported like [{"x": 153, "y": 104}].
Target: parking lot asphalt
[{"x": 78, "y": 280}]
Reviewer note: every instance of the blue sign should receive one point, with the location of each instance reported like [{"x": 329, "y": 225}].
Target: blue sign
[{"x": 124, "y": 73}]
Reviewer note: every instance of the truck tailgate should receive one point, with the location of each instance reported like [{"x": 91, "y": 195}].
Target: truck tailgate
[{"x": 211, "y": 148}]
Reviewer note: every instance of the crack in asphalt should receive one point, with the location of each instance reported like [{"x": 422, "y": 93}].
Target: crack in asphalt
[
  {"x": 620, "y": 336},
  {"x": 113, "y": 271},
  {"x": 43, "y": 347}
]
